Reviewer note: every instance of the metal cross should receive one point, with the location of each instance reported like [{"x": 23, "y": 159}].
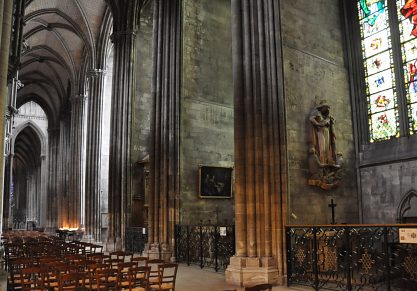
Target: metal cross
[{"x": 332, "y": 205}]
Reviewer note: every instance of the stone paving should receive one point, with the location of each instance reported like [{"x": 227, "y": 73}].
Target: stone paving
[{"x": 192, "y": 278}]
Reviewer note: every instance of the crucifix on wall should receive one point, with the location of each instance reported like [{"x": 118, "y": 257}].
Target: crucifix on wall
[{"x": 333, "y": 206}]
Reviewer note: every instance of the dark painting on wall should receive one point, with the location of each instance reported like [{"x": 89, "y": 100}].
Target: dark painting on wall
[{"x": 215, "y": 182}]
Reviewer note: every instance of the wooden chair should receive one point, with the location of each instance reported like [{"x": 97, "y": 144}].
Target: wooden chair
[
  {"x": 139, "y": 278},
  {"x": 101, "y": 280},
  {"x": 120, "y": 255},
  {"x": 142, "y": 261},
  {"x": 153, "y": 274},
  {"x": 72, "y": 281},
  {"x": 33, "y": 278},
  {"x": 123, "y": 275},
  {"x": 167, "y": 274},
  {"x": 260, "y": 287}
]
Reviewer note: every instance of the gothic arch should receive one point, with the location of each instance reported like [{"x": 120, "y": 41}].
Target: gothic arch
[
  {"x": 405, "y": 204},
  {"x": 36, "y": 129}
]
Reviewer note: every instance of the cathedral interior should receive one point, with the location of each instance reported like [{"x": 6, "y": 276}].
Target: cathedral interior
[{"x": 134, "y": 124}]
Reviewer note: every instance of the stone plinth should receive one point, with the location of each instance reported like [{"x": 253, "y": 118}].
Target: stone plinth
[
  {"x": 158, "y": 251},
  {"x": 245, "y": 271}
]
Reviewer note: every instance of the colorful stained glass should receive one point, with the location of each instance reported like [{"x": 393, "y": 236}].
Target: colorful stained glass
[
  {"x": 381, "y": 101},
  {"x": 376, "y": 43},
  {"x": 411, "y": 90},
  {"x": 378, "y": 63},
  {"x": 379, "y": 82},
  {"x": 379, "y": 69},
  {"x": 370, "y": 10},
  {"x": 380, "y": 23},
  {"x": 409, "y": 50},
  {"x": 406, "y": 28},
  {"x": 407, "y": 9},
  {"x": 410, "y": 71},
  {"x": 412, "y": 116},
  {"x": 384, "y": 125},
  {"x": 407, "y": 17}
]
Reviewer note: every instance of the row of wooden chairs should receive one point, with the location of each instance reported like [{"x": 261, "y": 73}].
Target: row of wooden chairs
[{"x": 94, "y": 272}]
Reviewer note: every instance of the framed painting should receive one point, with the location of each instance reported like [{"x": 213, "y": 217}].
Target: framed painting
[{"x": 215, "y": 182}]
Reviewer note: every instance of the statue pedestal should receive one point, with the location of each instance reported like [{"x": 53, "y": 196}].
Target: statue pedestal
[{"x": 245, "y": 271}]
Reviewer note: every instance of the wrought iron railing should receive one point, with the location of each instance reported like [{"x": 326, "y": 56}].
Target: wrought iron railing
[
  {"x": 135, "y": 239},
  {"x": 205, "y": 245},
  {"x": 352, "y": 257}
]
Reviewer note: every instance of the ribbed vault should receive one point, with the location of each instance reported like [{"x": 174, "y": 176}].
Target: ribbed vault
[{"x": 59, "y": 41}]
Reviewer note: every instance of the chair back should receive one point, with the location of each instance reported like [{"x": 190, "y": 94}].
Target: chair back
[
  {"x": 139, "y": 277},
  {"x": 167, "y": 275},
  {"x": 33, "y": 278},
  {"x": 142, "y": 261},
  {"x": 154, "y": 273},
  {"x": 72, "y": 281}
]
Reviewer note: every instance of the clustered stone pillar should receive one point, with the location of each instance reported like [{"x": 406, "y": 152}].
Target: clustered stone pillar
[
  {"x": 259, "y": 144},
  {"x": 52, "y": 198},
  {"x": 125, "y": 14},
  {"x": 6, "y": 8},
  {"x": 76, "y": 181},
  {"x": 93, "y": 155},
  {"x": 164, "y": 129}
]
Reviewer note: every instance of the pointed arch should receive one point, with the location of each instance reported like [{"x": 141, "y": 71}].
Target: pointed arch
[
  {"x": 405, "y": 204},
  {"x": 36, "y": 129}
]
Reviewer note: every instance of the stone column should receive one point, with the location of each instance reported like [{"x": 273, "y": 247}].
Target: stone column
[
  {"x": 64, "y": 171},
  {"x": 259, "y": 144},
  {"x": 76, "y": 139},
  {"x": 52, "y": 196},
  {"x": 43, "y": 179},
  {"x": 6, "y": 8},
  {"x": 93, "y": 163},
  {"x": 125, "y": 14},
  {"x": 7, "y": 221},
  {"x": 164, "y": 129}
]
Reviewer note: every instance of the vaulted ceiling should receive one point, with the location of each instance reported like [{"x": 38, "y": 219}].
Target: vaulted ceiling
[{"x": 60, "y": 40}]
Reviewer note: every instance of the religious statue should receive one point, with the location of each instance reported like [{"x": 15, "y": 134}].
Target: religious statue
[{"x": 325, "y": 166}]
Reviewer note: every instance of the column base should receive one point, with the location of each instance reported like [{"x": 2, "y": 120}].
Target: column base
[
  {"x": 114, "y": 245},
  {"x": 246, "y": 272},
  {"x": 158, "y": 251}
]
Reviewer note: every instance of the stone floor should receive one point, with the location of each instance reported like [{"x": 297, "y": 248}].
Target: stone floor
[{"x": 192, "y": 278}]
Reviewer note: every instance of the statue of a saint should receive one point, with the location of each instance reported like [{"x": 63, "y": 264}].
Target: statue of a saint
[
  {"x": 324, "y": 165},
  {"x": 322, "y": 136}
]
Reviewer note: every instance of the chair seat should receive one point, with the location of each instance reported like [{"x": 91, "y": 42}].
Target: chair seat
[{"x": 164, "y": 286}]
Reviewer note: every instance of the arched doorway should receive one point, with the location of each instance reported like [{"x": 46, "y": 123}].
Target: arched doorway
[{"x": 26, "y": 169}]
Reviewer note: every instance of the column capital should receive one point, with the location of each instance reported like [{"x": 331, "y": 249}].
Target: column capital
[
  {"x": 96, "y": 72},
  {"x": 19, "y": 84}
]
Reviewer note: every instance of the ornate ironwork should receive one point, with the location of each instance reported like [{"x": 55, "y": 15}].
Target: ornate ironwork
[
  {"x": 135, "y": 239},
  {"x": 205, "y": 245},
  {"x": 351, "y": 257}
]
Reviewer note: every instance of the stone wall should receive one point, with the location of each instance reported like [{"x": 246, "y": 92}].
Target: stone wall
[
  {"x": 206, "y": 136},
  {"x": 314, "y": 69},
  {"x": 383, "y": 187}
]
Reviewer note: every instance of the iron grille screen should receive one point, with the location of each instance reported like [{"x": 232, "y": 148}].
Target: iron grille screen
[{"x": 351, "y": 257}]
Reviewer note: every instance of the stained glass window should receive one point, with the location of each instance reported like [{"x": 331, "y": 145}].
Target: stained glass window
[
  {"x": 407, "y": 19},
  {"x": 379, "y": 70},
  {"x": 381, "y": 81}
]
